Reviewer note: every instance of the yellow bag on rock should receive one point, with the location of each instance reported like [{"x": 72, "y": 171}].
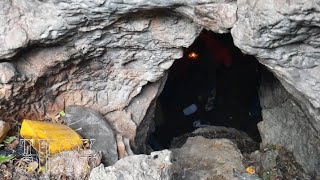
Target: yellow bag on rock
[{"x": 50, "y": 137}]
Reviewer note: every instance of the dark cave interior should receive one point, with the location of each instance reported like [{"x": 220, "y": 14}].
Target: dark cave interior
[{"x": 213, "y": 84}]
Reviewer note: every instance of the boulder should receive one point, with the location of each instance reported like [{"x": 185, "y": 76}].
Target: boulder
[
  {"x": 241, "y": 139},
  {"x": 91, "y": 125},
  {"x": 156, "y": 166},
  {"x": 201, "y": 158}
]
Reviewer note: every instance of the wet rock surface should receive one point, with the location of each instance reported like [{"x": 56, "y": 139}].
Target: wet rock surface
[
  {"x": 92, "y": 126},
  {"x": 156, "y": 166},
  {"x": 201, "y": 158}
]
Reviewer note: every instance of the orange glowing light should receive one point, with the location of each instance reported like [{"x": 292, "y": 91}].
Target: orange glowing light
[{"x": 193, "y": 56}]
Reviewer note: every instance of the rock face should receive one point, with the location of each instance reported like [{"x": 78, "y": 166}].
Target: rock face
[
  {"x": 156, "y": 166},
  {"x": 98, "y": 54},
  {"x": 285, "y": 123},
  {"x": 91, "y": 125},
  {"x": 284, "y": 35},
  {"x": 201, "y": 158},
  {"x": 104, "y": 54}
]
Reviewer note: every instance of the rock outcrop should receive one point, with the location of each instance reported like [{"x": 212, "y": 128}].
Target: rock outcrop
[
  {"x": 284, "y": 36},
  {"x": 201, "y": 158},
  {"x": 98, "y": 54},
  {"x": 104, "y": 54},
  {"x": 156, "y": 166},
  {"x": 286, "y": 123}
]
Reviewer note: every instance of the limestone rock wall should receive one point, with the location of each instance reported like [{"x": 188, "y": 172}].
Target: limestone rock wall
[
  {"x": 108, "y": 55},
  {"x": 286, "y": 123},
  {"x": 111, "y": 55},
  {"x": 284, "y": 35}
]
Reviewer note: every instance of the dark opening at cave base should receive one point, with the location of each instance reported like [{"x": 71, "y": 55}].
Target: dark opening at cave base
[{"x": 213, "y": 84}]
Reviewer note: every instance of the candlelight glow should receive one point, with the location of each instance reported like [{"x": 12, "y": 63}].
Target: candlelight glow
[{"x": 193, "y": 56}]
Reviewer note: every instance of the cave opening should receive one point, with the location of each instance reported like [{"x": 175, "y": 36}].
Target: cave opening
[{"x": 214, "y": 83}]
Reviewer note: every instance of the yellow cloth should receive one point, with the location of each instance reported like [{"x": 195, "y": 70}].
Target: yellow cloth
[{"x": 50, "y": 137}]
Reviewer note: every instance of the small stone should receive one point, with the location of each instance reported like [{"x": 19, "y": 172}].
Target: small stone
[
  {"x": 4, "y": 128},
  {"x": 7, "y": 72}
]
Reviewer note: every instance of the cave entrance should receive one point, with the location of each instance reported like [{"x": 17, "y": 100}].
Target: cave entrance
[{"x": 214, "y": 83}]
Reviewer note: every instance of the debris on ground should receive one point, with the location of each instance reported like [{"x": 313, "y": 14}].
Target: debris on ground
[
  {"x": 92, "y": 126},
  {"x": 4, "y": 158},
  {"x": 52, "y": 137},
  {"x": 244, "y": 175},
  {"x": 202, "y": 158},
  {"x": 73, "y": 164},
  {"x": 4, "y": 128},
  {"x": 275, "y": 163},
  {"x": 144, "y": 167},
  {"x": 241, "y": 139}
]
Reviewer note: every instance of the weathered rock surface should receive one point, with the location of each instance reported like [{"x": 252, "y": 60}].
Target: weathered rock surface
[
  {"x": 284, "y": 35},
  {"x": 7, "y": 72},
  {"x": 73, "y": 164},
  {"x": 91, "y": 125},
  {"x": 4, "y": 128},
  {"x": 97, "y": 54},
  {"x": 239, "y": 138},
  {"x": 201, "y": 158},
  {"x": 31, "y": 22},
  {"x": 285, "y": 123},
  {"x": 103, "y": 54},
  {"x": 156, "y": 166}
]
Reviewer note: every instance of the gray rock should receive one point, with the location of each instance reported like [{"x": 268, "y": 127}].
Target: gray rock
[
  {"x": 91, "y": 125},
  {"x": 201, "y": 158},
  {"x": 4, "y": 128},
  {"x": 285, "y": 123},
  {"x": 7, "y": 72},
  {"x": 284, "y": 36},
  {"x": 156, "y": 166},
  {"x": 101, "y": 54},
  {"x": 243, "y": 142}
]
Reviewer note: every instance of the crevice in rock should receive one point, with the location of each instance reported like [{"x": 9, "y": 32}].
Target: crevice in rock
[{"x": 218, "y": 82}]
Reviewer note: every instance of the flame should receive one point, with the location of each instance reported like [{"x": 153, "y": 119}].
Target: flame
[{"x": 193, "y": 56}]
